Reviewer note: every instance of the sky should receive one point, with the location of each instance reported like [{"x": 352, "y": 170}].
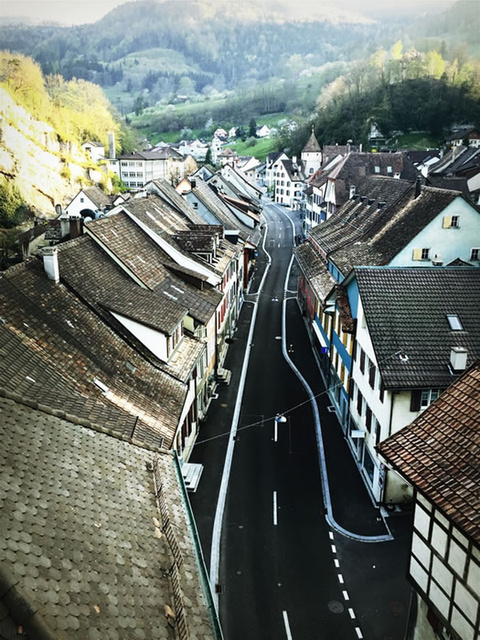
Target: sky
[{"x": 70, "y": 12}]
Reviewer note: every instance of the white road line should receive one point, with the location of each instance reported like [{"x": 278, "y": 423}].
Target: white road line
[
  {"x": 287, "y": 625},
  {"x": 330, "y": 535},
  {"x": 340, "y": 578},
  {"x": 275, "y": 522},
  {"x": 359, "y": 632},
  {"x": 275, "y": 431},
  {"x": 352, "y": 613},
  {"x": 345, "y": 595},
  {"x": 334, "y": 549},
  {"x": 336, "y": 563}
]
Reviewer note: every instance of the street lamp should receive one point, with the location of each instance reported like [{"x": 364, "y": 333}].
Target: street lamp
[{"x": 278, "y": 419}]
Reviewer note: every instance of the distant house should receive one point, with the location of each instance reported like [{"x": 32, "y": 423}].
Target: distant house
[
  {"x": 459, "y": 137},
  {"x": 139, "y": 167},
  {"x": 263, "y": 131},
  {"x": 90, "y": 202},
  {"x": 376, "y": 139},
  {"x": 438, "y": 454},
  {"x": 221, "y": 134},
  {"x": 227, "y": 156},
  {"x": 232, "y": 133},
  {"x": 95, "y": 150}
]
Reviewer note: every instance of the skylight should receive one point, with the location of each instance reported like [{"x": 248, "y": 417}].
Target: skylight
[{"x": 454, "y": 322}]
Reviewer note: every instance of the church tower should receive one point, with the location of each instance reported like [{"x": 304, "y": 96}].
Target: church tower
[{"x": 311, "y": 155}]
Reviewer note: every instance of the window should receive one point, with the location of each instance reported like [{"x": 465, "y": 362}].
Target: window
[
  {"x": 382, "y": 391},
  {"x": 451, "y": 222},
  {"x": 475, "y": 254},
  {"x": 368, "y": 419},
  {"x": 422, "y": 398},
  {"x": 377, "y": 169},
  {"x": 372, "y": 374},
  {"x": 362, "y": 359},
  {"x": 421, "y": 254},
  {"x": 454, "y": 322},
  {"x": 389, "y": 169},
  {"x": 359, "y": 402}
]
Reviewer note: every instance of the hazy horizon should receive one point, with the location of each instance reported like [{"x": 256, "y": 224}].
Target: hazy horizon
[{"x": 71, "y": 12}]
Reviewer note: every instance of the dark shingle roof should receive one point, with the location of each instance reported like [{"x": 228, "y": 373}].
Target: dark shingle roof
[
  {"x": 167, "y": 192},
  {"x": 315, "y": 269},
  {"x": 439, "y": 453},
  {"x": 406, "y": 311},
  {"x": 311, "y": 146},
  {"x": 59, "y": 331},
  {"x": 94, "y": 534}
]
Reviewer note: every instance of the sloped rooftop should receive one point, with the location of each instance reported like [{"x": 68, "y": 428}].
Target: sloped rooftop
[
  {"x": 406, "y": 312},
  {"x": 439, "y": 453},
  {"x": 95, "y": 541}
]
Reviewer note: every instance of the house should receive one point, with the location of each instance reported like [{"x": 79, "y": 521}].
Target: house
[
  {"x": 461, "y": 165},
  {"x": 289, "y": 182},
  {"x": 232, "y": 133},
  {"x": 457, "y": 138},
  {"x": 376, "y": 139},
  {"x": 263, "y": 131},
  {"x": 227, "y": 156},
  {"x": 221, "y": 134},
  {"x": 438, "y": 454},
  {"x": 196, "y": 149},
  {"x": 336, "y": 184},
  {"x": 271, "y": 167},
  {"x": 93, "y": 505},
  {"x": 248, "y": 166},
  {"x": 90, "y": 202},
  {"x": 139, "y": 167},
  {"x": 391, "y": 223},
  {"x": 416, "y": 330},
  {"x": 95, "y": 150}
]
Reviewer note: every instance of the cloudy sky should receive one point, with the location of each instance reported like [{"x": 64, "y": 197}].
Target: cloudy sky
[{"x": 81, "y": 11}]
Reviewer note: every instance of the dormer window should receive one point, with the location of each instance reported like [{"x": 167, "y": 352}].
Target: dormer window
[{"x": 454, "y": 322}]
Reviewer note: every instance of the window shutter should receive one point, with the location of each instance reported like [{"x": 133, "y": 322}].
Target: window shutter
[
  {"x": 417, "y": 254},
  {"x": 447, "y": 222},
  {"x": 415, "y": 400}
]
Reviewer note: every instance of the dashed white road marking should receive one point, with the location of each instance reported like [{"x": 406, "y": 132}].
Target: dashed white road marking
[
  {"x": 345, "y": 595},
  {"x": 352, "y": 613},
  {"x": 287, "y": 625},
  {"x": 359, "y": 632},
  {"x": 340, "y": 578},
  {"x": 275, "y": 521},
  {"x": 336, "y": 563},
  {"x": 334, "y": 548}
]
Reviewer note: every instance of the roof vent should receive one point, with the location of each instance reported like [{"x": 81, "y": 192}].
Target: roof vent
[
  {"x": 363, "y": 199},
  {"x": 458, "y": 359},
  {"x": 371, "y": 201}
]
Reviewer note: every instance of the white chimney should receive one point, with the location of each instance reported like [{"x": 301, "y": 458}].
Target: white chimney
[
  {"x": 50, "y": 263},
  {"x": 458, "y": 359}
]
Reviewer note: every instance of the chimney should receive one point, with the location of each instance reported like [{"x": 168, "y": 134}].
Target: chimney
[
  {"x": 381, "y": 204},
  {"x": 193, "y": 183},
  {"x": 76, "y": 226},
  {"x": 352, "y": 191},
  {"x": 371, "y": 201},
  {"x": 111, "y": 145},
  {"x": 294, "y": 159},
  {"x": 418, "y": 187},
  {"x": 458, "y": 359},
  {"x": 50, "y": 263}
]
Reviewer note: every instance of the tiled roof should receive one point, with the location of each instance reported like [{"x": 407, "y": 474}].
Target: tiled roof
[
  {"x": 294, "y": 170},
  {"x": 98, "y": 197},
  {"x": 319, "y": 278},
  {"x": 156, "y": 214},
  {"x": 311, "y": 145},
  {"x": 406, "y": 312},
  {"x": 439, "y": 453},
  {"x": 61, "y": 332},
  {"x": 220, "y": 210},
  {"x": 95, "y": 539},
  {"x": 175, "y": 199},
  {"x": 356, "y": 217},
  {"x": 96, "y": 278}
]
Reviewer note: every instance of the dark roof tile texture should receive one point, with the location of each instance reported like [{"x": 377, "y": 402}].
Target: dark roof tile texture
[
  {"x": 439, "y": 453},
  {"x": 406, "y": 312}
]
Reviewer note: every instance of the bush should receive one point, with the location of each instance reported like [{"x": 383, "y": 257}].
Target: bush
[{"x": 13, "y": 209}]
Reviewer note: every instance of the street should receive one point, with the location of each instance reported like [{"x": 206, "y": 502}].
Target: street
[{"x": 285, "y": 569}]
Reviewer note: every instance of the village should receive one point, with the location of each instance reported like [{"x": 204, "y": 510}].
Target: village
[{"x": 115, "y": 329}]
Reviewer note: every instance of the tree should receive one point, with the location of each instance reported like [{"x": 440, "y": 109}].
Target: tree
[
  {"x": 208, "y": 156},
  {"x": 13, "y": 209},
  {"x": 252, "y": 128}
]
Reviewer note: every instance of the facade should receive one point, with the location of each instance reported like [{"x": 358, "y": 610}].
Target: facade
[
  {"x": 471, "y": 134},
  {"x": 90, "y": 202},
  {"x": 438, "y": 455},
  {"x": 397, "y": 224},
  {"x": 137, "y": 168}
]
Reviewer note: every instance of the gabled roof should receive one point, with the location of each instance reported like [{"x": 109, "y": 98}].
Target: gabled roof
[
  {"x": 406, "y": 312},
  {"x": 462, "y": 133},
  {"x": 174, "y": 199},
  {"x": 220, "y": 210},
  {"x": 319, "y": 277},
  {"x": 456, "y": 160},
  {"x": 394, "y": 228},
  {"x": 102, "y": 536},
  {"x": 97, "y": 196},
  {"x": 154, "y": 212},
  {"x": 294, "y": 170},
  {"x": 147, "y": 262},
  {"x": 164, "y": 153},
  {"x": 439, "y": 453},
  {"x": 55, "y": 329}
]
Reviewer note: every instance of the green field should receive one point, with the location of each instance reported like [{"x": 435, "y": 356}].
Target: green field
[{"x": 418, "y": 140}]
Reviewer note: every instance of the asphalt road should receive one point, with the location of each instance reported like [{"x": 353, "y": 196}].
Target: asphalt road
[{"x": 283, "y": 572}]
